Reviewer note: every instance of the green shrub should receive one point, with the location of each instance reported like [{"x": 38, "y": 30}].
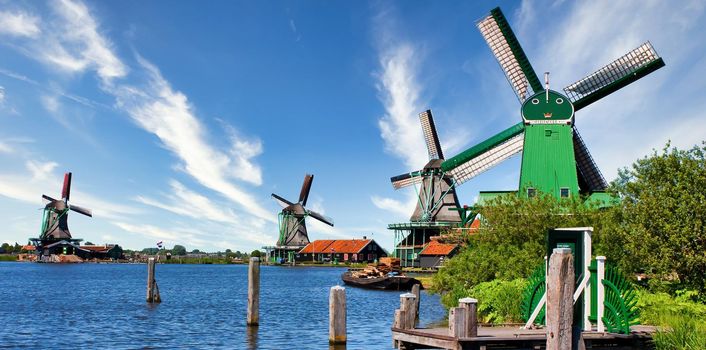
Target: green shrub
[
  {"x": 681, "y": 333},
  {"x": 498, "y": 301},
  {"x": 660, "y": 309}
]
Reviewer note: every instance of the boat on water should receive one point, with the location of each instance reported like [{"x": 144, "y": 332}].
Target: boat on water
[{"x": 390, "y": 281}]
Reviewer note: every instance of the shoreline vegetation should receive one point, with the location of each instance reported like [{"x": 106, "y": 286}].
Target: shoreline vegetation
[{"x": 655, "y": 234}]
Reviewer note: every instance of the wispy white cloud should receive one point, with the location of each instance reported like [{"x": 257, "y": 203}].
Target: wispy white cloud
[
  {"x": 19, "y": 24},
  {"x": 77, "y": 44},
  {"x": 399, "y": 92},
  {"x": 403, "y": 209},
  {"x": 167, "y": 113},
  {"x": 2, "y": 95},
  {"x": 39, "y": 177},
  {"x": 5, "y": 148},
  {"x": 183, "y": 201}
]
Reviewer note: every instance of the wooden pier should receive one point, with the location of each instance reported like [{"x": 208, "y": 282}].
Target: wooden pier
[{"x": 515, "y": 338}]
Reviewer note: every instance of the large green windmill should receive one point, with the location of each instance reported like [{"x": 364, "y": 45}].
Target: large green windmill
[{"x": 555, "y": 159}]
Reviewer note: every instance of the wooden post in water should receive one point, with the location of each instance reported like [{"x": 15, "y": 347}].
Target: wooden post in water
[
  {"x": 152, "y": 288},
  {"x": 337, "y": 315},
  {"x": 457, "y": 322},
  {"x": 407, "y": 306},
  {"x": 471, "y": 306},
  {"x": 417, "y": 294},
  {"x": 254, "y": 292},
  {"x": 560, "y": 299}
]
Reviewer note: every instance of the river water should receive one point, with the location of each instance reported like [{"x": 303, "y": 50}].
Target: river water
[{"x": 88, "y": 306}]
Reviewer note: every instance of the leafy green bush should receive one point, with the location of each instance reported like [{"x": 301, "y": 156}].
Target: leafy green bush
[{"x": 499, "y": 301}]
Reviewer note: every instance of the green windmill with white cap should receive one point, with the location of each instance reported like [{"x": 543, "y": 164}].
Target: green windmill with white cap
[{"x": 555, "y": 160}]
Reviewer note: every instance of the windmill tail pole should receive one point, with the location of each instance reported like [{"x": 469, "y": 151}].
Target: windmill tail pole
[
  {"x": 152, "y": 288},
  {"x": 253, "y": 317}
]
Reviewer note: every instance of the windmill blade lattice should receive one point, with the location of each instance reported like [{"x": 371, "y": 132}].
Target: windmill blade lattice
[
  {"x": 507, "y": 50},
  {"x": 486, "y": 154},
  {"x": 281, "y": 201},
  {"x": 617, "y": 74},
  {"x": 306, "y": 187},
  {"x": 430, "y": 135},
  {"x": 408, "y": 179},
  {"x": 587, "y": 168},
  {"x": 66, "y": 189},
  {"x": 325, "y": 219}
]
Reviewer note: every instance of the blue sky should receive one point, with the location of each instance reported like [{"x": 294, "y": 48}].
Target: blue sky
[{"x": 178, "y": 119}]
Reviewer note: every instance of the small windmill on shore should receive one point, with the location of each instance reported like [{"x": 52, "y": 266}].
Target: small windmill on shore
[
  {"x": 293, "y": 235},
  {"x": 436, "y": 195},
  {"x": 55, "y": 237},
  {"x": 437, "y": 204}
]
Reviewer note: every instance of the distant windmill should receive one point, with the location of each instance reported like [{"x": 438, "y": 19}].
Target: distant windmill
[
  {"x": 436, "y": 197},
  {"x": 555, "y": 159},
  {"x": 292, "y": 225},
  {"x": 55, "y": 228}
]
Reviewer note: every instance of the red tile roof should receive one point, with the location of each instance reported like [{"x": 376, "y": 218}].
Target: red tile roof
[
  {"x": 328, "y": 246},
  {"x": 436, "y": 248},
  {"x": 28, "y": 247}
]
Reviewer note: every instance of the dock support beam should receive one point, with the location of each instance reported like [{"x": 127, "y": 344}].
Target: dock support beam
[
  {"x": 560, "y": 301},
  {"x": 254, "y": 292},
  {"x": 152, "y": 288},
  {"x": 337, "y": 315}
]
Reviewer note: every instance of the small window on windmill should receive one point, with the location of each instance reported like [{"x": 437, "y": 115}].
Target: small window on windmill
[
  {"x": 564, "y": 192},
  {"x": 531, "y": 192}
]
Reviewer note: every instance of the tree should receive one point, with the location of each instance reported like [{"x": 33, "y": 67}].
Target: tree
[
  {"x": 255, "y": 253},
  {"x": 511, "y": 241},
  {"x": 179, "y": 250},
  {"x": 659, "y": 227},
  {"x": 89, "y": 243}
]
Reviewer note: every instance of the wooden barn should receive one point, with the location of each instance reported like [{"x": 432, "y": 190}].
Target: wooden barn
[
  {"x": 435, "y": 254},
  {"x": 341, "y": 250}
]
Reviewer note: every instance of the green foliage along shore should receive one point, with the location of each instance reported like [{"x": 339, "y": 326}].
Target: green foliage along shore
[{"x": 656, "y": 230}]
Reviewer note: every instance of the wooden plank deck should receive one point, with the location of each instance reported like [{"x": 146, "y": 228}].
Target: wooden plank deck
[{"x": 515, "y": 338}]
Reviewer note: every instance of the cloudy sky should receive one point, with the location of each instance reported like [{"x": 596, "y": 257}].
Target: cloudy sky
[{"x": 178, "y": 119}]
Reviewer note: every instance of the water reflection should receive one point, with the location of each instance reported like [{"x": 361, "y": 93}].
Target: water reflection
[{"x": 251, "y": 332}]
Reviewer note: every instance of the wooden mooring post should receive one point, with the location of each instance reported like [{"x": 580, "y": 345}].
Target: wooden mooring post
[
  {"x": 417, "y": 294},
  {"x": 560, "y": 301},
  {"x": 152, "y": 288},
  {"x": 337, "y": 315},
  {"x": 254, "y": 292},
  {"x": 471, "y": 306}
]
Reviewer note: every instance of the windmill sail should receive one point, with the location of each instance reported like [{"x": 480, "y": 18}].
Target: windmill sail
[
  {"x": 588, "y": 171},
  {"x": 486, "y": 154},
  {"x": 430, "y": 135},
  {"x": 507, "y": 50},
  {"x": 405, "y": 180},
  {"x": 617, "y": 74},
  {"x": 306, "y": 187},
  {"x": 325, "y": 219}
]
